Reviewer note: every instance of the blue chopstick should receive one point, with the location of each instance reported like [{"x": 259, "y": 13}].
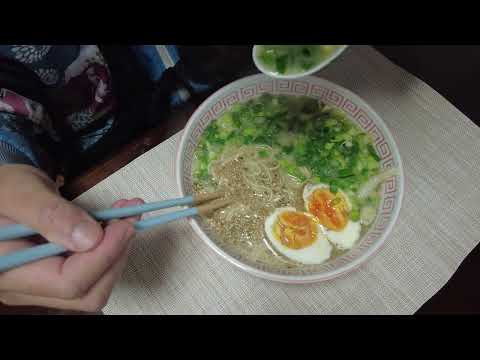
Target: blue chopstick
[
  {"x": 18, "y": 231},
  {"x": 19, "y": 258}
]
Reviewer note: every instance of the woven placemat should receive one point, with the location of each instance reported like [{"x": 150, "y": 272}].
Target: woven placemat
[{"x": 171, "y": 271}]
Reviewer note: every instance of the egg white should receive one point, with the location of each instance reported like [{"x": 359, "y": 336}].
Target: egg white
[
  {"x": 347, "y": 237},
  {"x": 318, "y": 252}
]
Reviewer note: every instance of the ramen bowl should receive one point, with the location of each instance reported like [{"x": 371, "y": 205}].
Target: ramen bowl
[{"x": 391, "y": 191}]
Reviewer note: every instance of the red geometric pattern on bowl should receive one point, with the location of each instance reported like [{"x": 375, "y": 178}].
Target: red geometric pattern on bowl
[
  {"x": 318, "y": 89},
  {"x": 362, "y": 119},
  {"x": 335, "y": 99},
  {"x": 300, "y": 87},
  {"x": 318, "y": 92},
  {"x": 265, "y": 86},
  {"x": 350, "y": 108},
  {"x": 284, "y": 86},
  {"x": 229, "y": 101},
  {"x": 249, "y": 92},
  {"x": 390, "y": 185},
  {"x": 376, "y": 135},
  {"x": 388, "y": 204},
  {"x": 219, "y": 108}
]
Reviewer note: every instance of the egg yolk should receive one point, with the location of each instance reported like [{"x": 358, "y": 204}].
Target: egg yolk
[
  {"x": 330, "y": 209},
  {"x": 295, "y": 230}
]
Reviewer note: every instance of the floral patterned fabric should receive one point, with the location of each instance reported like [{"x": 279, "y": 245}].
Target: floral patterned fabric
[
  {"x": 29, "y": 54},
  {"x": 79, "y": 70},
  {"x": 83, "y": 80}
]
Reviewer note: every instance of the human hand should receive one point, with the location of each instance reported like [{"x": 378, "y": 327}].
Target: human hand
[{"x": 84, "y": 280}]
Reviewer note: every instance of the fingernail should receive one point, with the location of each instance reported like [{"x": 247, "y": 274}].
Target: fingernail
[
  {"x": 85, "y": 235},
  {"x": 120, "y": 203}
]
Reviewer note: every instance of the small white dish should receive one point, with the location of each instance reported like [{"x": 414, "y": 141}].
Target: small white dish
[{"x": 313, "y": 70}]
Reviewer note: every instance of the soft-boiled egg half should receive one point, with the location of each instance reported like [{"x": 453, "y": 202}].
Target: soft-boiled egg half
[
  {"x": 297, "y": 236},
  {"x": 332, "y": 211}
]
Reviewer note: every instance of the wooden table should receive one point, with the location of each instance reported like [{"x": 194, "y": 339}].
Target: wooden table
[{"x": 451, "y": 70}]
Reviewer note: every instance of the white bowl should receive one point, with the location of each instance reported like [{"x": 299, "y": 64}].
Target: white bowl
[
  {"x": 358, "y": 111},
  {"x": 313, "y": 70}
]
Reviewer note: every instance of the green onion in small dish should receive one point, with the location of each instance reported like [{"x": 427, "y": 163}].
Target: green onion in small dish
[{"x": 293, "y": 61}]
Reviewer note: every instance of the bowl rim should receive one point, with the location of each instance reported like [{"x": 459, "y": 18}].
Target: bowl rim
[
  {"x": 313, "y": 70},
  {"x": 292, "y": 279}
]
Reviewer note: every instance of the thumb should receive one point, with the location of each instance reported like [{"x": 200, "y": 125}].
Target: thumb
[{"x": 29, "y": 197}]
